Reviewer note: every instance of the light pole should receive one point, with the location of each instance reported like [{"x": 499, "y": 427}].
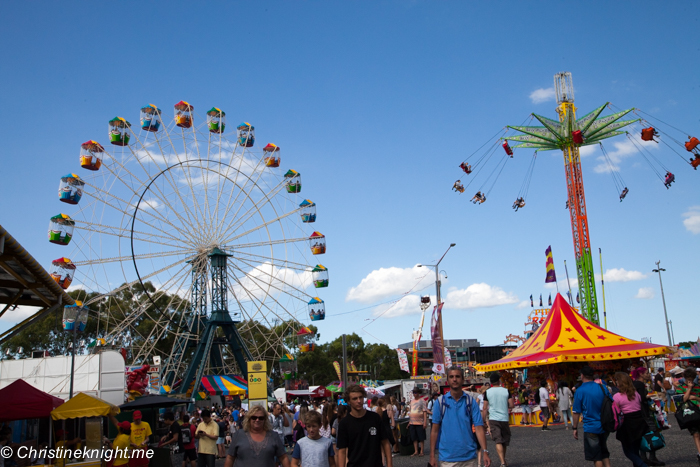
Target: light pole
[
  {"x": 437, "y": 288},
  {"x": 74, "y": 320},
  {"x": 663, "y": 299}
]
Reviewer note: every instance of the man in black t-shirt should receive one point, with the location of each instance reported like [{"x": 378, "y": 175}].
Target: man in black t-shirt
[
  {"x": 361, "y": 435},
  {"x": 173, "y": 439}
]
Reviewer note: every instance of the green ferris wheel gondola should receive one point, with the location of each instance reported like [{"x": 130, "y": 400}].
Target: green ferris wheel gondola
[{"x": 320, "y": 276}]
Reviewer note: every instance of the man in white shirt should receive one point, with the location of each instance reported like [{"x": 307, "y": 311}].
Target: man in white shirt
[{"x": 544, "y": 404}]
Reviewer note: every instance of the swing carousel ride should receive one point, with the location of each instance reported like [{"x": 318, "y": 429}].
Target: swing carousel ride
[
  {"x": 217, "y": 229},
  {"x": 568, "y": 134}
]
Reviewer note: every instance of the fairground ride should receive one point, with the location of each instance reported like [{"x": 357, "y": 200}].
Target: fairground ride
[
  {"x": 568, "y": 134},
  {"x": 211, "y": 233}
]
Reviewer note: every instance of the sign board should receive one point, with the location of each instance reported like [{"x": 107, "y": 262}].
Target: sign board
[{"x": 257, "y": 380}]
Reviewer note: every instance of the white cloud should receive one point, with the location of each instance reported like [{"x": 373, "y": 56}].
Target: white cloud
[
  {"x": 645, "y": 293},
  {"x": 388, "y": 282},
  {"x": 19, "y": 314},
  {"x": 585, "y": 151},
  {"x": 622, "y": 275},
  {"x": 623, "y": 149},
  {"x": 151, "y": 203},
  {"x": 523, "y": 304},
  {"x": 479, "y": 295},
  {"x": 692, "y": 219},
  {"x": 475, "y": 296},
  {"x": 542, "y": 95},
  {"x": 408, "y": 305}
]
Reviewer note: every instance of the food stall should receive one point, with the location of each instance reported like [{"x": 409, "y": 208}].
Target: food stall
[
  {"x": 562, "y": 345},
  {"x": 88, "y": 412}
]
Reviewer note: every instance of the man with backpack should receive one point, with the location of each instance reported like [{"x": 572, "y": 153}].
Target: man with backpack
[
  {"x": 190, "y": 452},
  {"x": 458, "y": 424},
  {"x": 589, "y": 402}
]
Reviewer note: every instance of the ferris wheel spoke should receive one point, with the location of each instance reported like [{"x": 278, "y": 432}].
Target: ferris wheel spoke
[
  {"x": 243, "y": 189},
  {"x": 181, "y": 162},
  {"x": 141, "y": 184},
  {"x": 260, "y": 303},
  {"x": 260, "y": 226},
  {"x": 271, "y": 242},
  {"x": 267, "y": 199},
  {"x": 273, "y": 279},
  {"x": 125, "y": 233},
  {"x": 253, "y": 258},
  {"x": 162, "y": 254},
  {"x": 163, "y": 198},
  {"x": 130, "y": 214},
  {"x": 165, "y": 324}
]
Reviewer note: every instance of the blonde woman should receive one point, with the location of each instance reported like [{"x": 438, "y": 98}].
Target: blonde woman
[{"x": 256, "y": 445}]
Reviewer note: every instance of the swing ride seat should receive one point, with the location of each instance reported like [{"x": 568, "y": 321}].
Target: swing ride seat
[
  {"x": 692, "y": 144},
  {"x": 90, "y": 162},
  {"x": 508, "y": 149},
  {"x": 648, "y": 134},
  {"x": 695, "y": 162},
  {"x": 577, "y": 137},
  {"x": 150, "y": 125}
]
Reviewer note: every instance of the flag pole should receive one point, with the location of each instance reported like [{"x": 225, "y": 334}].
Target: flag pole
[
  {"x": 602, "y": 283},
  {"x": 571, "y": 297}
]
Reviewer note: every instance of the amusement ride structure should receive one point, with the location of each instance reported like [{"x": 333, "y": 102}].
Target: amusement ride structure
[
  {"x": 211, "y": 233},
  {"x": 567, "y": 134}
]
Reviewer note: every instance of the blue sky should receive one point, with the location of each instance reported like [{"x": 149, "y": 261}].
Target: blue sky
[{"x": 376, "y": 104}]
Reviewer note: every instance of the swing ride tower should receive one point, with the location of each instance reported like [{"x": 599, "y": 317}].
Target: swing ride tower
[{"x": 568, "y": 134}]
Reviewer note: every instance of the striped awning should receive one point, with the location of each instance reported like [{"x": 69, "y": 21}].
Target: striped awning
[{"x": 227, "y": 385}]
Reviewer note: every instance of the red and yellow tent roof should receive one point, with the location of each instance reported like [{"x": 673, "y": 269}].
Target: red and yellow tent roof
[{"x": 565, "y": 336}]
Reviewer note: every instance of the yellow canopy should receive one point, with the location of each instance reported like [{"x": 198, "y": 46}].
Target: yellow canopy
[{"x": 83, "y": 405}]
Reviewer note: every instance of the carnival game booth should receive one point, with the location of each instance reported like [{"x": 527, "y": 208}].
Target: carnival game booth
[
  {"x": 565, "y": 342},
  {"x": 88, "y": 414}
]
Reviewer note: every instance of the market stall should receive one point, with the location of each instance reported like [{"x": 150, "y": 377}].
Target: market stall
[
  {"x": 564, "y": 343},
  {"x": 89, "y": 411}
]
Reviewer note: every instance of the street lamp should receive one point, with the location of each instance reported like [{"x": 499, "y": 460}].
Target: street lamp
[
  {"x": 663, "y": 299},
  {"x": 437, "y": 287},
  {"x": 74, "y": 319}
]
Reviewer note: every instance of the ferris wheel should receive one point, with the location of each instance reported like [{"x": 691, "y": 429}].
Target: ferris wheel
[{"x": 211, "y": 232}]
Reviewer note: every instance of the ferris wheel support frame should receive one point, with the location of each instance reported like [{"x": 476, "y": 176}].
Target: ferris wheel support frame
[{"x": 220, "y": 318}]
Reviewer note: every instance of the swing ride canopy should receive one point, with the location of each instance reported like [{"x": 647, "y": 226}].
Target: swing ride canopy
[{"x": 567, "y": 337}]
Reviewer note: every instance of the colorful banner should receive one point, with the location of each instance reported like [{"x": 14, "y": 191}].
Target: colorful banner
[
  {"x": 336, "y": 365},
  {"x": 438, "y": 348},
  {"x": 448, "y": 358},
  {"x": 403, "y": 360},
  {"x": 414, "y": 368},
  {"x": 551, "y": 275}
]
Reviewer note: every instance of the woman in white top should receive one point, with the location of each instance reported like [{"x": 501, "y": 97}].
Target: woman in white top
[{"x": 564, "y": 397}]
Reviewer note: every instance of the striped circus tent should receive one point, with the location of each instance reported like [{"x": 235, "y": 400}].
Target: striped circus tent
[
  {"x": 227, "y": 385},
  {"x": 567, "y": 337}
]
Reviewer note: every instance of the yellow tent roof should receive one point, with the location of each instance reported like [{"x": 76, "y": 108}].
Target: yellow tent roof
[
  {"x": 83, "y": 405},
  {"x": 565, "y": 336}
]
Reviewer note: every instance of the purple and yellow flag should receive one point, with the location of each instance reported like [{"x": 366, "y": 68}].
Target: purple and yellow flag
[{"x": 551, "y": 275}]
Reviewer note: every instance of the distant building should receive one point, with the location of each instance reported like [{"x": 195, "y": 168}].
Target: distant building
[{"x": 461, "y": 350}]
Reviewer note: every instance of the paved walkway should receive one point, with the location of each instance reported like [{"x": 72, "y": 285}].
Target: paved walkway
[{"x": 532, "y": 447}]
